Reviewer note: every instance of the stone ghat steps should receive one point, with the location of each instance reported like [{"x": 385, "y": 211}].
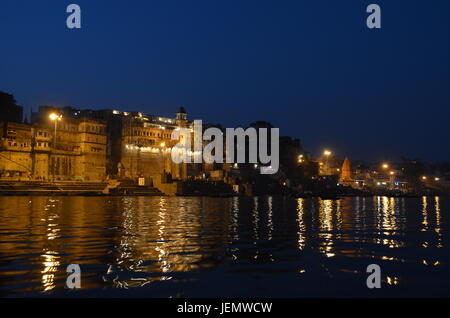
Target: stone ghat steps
[
  {"x": 36, "y": 186},
  {"x": 133, "y": 190},
  {"x": 74, "y": 188},
  {"x": 129, "y": 187}
]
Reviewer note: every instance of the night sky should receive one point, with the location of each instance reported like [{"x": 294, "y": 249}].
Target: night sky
[{"x": 311, "y": 68}]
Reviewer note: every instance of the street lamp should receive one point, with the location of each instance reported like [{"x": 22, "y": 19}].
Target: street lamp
[
  {"x": 326, "y": 153},
  {"x": 385, "y": 166},
  {"x": 55, "y": 118},
  {"x": 391, "y": 178}
]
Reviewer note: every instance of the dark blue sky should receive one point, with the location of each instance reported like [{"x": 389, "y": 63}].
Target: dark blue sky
[{"x": 311, "y": 68}]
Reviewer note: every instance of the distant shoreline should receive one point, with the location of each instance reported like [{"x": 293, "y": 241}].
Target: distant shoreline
[{"x": 35, "y": 193}]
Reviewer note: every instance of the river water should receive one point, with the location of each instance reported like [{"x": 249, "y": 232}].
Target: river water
[{"x": 224, "y": 247}]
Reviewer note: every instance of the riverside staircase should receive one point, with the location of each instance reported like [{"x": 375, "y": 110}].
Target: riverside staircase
[{"x": 111, "y": 187}]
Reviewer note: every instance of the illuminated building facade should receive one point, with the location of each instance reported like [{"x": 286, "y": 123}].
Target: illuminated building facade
[
  {"x": 15, "y": 149},
  {"x": 146, "y": 146},
  {"x": 92, "y": 145},
  {"x": 75, "y": 150},
  {"x": 34, "y": 152}
]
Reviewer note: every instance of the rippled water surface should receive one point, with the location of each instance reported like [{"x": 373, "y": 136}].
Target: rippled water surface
[{"x": 204, "y": 247}]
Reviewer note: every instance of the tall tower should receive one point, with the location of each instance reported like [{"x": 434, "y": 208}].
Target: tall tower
[
  {"x": 346, "y": 173},
  {"x": 181, "y": 117},
  {"x": 180, "y": 170}
]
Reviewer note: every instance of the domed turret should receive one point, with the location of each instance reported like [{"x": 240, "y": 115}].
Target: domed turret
[
  {"x": 181, "y": 110},
  {"x": 181, "y": 116}
]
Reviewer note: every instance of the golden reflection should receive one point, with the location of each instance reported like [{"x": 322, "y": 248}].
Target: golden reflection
[
  {"x": 338, "y": 215},
  {"x": 437, "y": 208},
  {"x": 313, "y": 215},
  {"x": 235, "y": 219},
  {"x": 139, "y": 240},
  {"x": 361, "y": 219},
  {"x": 386, "y": 221},
  {"x": 234, "y": 226},
  {"x": 326, "y": 227},
  {"x": 51, "y": 257},
  {"x": 348, "y": 220},
  {"x": 378, "y": 214},
  {"x": 425, "y": 214},
  {"x": 430, "y": 263},
  {"x": 392, "y": 280},
  {"x": 301, "y": 223},
  {"x": 255, "y": 218},
  {"x": 51, "y": 218},
  {"x": 255, "y": 225},
  {"x": 131, "y": 241},
  {"x": 160, "y": 242},
  {"x": 270, "y": 222},
  {"x": 51, "y": 264},
  {"x": 160, "y": 247},
  {"x": 269, "y": 217},
  {"x": 358, "y": 218},
  {"x": 388, "y": 212}
]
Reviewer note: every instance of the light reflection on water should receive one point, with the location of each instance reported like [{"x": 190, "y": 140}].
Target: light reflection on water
[{"x": 258, "y": 246}]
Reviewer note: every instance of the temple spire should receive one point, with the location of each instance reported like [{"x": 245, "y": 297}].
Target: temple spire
[{"x": 346, "y": 173}]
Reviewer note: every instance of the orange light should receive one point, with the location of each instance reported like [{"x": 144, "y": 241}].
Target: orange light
[{"x": 54, "y": 116}]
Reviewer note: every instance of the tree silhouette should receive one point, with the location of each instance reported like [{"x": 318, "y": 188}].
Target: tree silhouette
[{"x": 10, "y": 111}]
